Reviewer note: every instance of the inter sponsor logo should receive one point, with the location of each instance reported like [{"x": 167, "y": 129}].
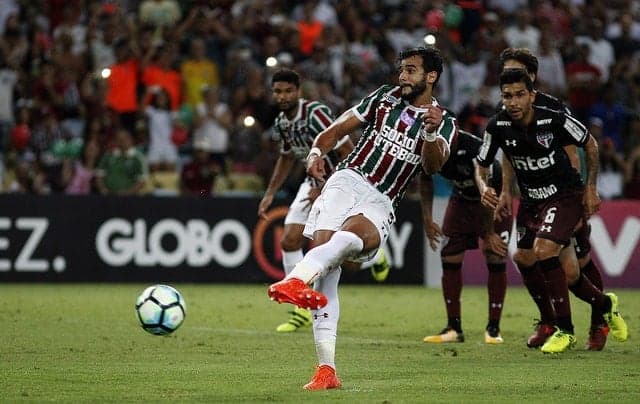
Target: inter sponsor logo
[{"x": 533, "y": 164}]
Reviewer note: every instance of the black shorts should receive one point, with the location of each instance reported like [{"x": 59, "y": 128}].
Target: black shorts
[
  {"x": 554, "y": 218},
  {"x": 464, "y": 224}
]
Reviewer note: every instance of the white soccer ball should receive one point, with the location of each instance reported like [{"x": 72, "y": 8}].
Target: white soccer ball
[{"x": 161, "y": 309}]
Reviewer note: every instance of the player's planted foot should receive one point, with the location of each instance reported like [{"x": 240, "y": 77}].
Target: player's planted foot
[
  {"x": 597, "y": 337},
  {"x": 448, "y": 334},
  {"x": 542, "y": 332},
  {"x": 492, "y": 336},
  {"x": 299, "y": 318},
  {"x": 295, "y": 291},
  {"x": 325, "y": 378},
  {"x": 380, "y": 270},
  {"x": 559, "y": 342},
  {"x": 617, "y": 325}
]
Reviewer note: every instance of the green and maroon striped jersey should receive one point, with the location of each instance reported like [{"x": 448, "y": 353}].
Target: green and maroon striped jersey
[
  {"x": 388, "y": 152},
  {"x": 297, "y": 135}
]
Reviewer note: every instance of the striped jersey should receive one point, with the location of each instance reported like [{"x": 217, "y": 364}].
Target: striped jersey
[
  {"x": 388, "y": 152},
  {"x": 297, "y": 135}
]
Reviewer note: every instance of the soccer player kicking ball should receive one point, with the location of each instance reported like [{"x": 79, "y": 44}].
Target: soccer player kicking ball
[
  {"x": 404, "y": 131},
  {"x": 554, "y": 199},
  {"x": 297, "y": 125}
]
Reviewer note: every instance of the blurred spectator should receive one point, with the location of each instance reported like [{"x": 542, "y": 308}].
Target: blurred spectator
[
  {"x": 467, "y": 75},
  {"x": 162, "y": 73},
  {"x": 625, "y": 38},
  {"x": 21, "y": 132},
  {"x": 122, "y": 85},
  {"x": 160, "y": 14},
  {"x": 582, "y": 80},
  {"x": 612, "y": 114},
  {"x": 523, "y": 34},
  {"x": 162, "y": 154},
  {"x": 72, "y": 27},
  {"x": 8, "y": 80},
  {"x": 198, "y": 72},
  {"x": 612, "y": 169},
  {"x": 7, "y": 8},
  {"x": 212, "y": 124},
  {"x": 601, "y": 53},
  {"x": 309, "y": 28},
  {"x": 198, "y": 175},
  {"x": 26, "y": 177},
  {"x": 121, "y": 170},
  {"x": 78, "y": 174},
  {"x": 551, "y": 76},
  {"x": 14, "y": 45}
]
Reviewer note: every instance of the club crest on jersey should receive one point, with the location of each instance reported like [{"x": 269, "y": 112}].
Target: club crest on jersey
[
  {"x": 406, "y": 118},
  {"x": 545, "y": 139}
]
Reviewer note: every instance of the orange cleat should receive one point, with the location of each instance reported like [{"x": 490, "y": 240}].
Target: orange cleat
[
  {"x": 325, "y": 378},
  {"x": 295, "y": 291}
]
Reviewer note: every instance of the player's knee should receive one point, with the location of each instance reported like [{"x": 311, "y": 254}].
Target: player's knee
[
  {"x": 291, "y": 242},
  {"x": 349, "y": 242},
  {"x": 544, "y": 249},
  {"x": 524, "y": 258}
]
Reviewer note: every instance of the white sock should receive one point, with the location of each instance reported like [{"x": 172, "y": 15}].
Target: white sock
[
  {"x": 290, "y": 259},
  {"x": 320, "y": 259},
  {"x": 325, "y": 320},
  {"x": 372, "y": 261}
]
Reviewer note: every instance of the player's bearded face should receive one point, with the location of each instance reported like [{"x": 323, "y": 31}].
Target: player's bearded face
[
  {"x": 285, "y": 95},
  {"x": 411, "y": 91}
]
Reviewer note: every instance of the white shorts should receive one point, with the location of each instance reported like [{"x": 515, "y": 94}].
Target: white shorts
[
  {"x": 162, "y": 153},
  {"x": 347, "y": 194},
  {"x": 299, "y": 208}
]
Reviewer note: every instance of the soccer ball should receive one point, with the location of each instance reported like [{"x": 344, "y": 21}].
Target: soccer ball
[{"x": 161, "y": 309}]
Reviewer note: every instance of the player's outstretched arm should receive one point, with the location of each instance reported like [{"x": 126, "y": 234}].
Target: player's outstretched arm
[{"x": 327, "y": 140}]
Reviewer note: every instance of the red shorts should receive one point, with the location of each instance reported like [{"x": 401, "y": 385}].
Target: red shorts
[
  {"x": 464, "y": 224},
  {"x": 554, "y": 219}
]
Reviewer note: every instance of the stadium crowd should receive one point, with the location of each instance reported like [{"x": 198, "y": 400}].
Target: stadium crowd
[{"x": 173, "y": 97}]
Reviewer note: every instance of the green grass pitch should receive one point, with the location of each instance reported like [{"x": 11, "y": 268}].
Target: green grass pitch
[{"x": 82, "y": 343}]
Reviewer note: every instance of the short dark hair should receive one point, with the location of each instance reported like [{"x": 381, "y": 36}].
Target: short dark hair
[
  {"x": 522, "y": 55},
  {"x": 286, "y": 75},
  {"x": 432, "y": 60},
  {"x": 510, "y": 76}
]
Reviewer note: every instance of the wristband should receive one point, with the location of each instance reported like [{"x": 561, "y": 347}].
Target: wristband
[
  {"x": 428, "y": 136},
  {"x": 314, "y": 151}
]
